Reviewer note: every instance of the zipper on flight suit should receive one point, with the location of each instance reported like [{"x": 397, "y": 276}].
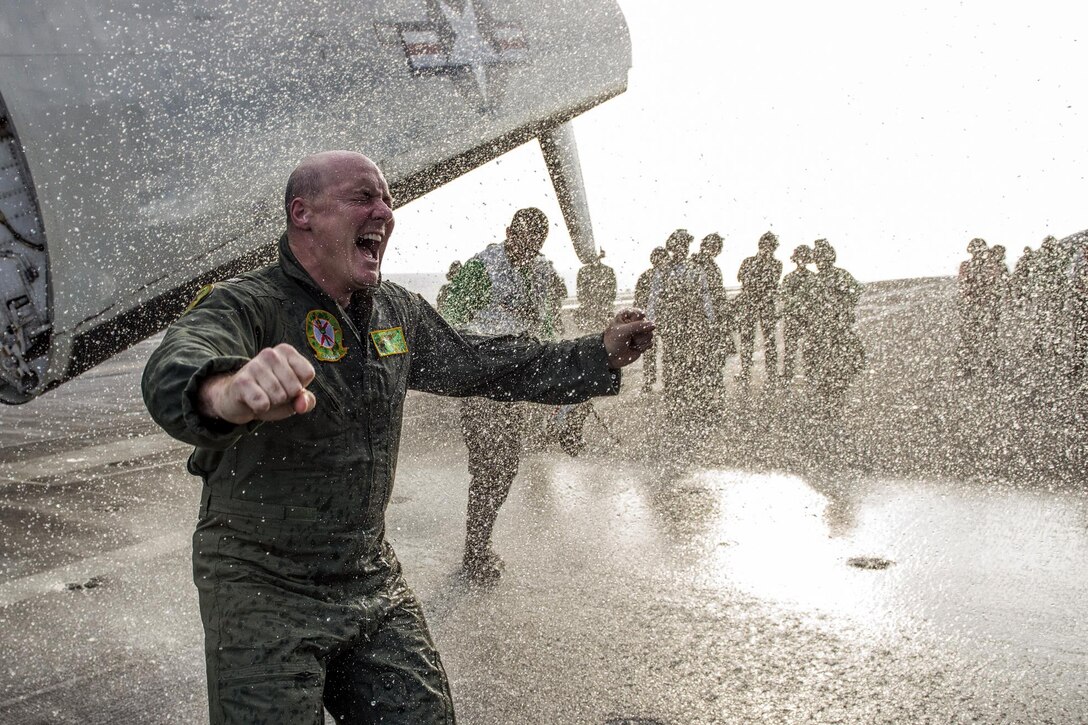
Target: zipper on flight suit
[
  {"x": 334, "y": 400},
  {"x": 333, "y": 396},
  {"x": 365, "y": 309}
]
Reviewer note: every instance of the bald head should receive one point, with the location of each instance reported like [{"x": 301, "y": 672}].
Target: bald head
[{"x": 317, "y": 171}]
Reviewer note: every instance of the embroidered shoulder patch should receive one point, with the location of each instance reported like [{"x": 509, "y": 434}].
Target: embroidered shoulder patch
[
  {"x": 325, "y": 336},
  {"x": 200, "y": 295},
  {"x": 389, "y": 342}
]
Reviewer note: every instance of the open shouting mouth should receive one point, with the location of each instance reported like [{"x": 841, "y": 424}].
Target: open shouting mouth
[{"x": 370, "y": 243}]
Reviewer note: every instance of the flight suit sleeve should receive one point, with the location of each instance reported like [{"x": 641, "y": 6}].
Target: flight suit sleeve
[
  {"x": 507, "y": 367},
  {"x": 218, "y": 335}
]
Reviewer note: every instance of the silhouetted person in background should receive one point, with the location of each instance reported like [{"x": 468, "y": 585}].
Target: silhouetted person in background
[
  {"x": 709, "y": 248},
  {"x": 648, "y": 291},
  {"x": 997, "y": 286},
  {"x": 674, "y": 312},
  {"x": 1079, "y": 311},
  {"x": 974, "y": 295},
  {"x": 1049, "y": 296},
  {"x": 998, "y": 270},
  {"x": 1023, "y": 278},
  {"x": 833, "y": 352},
  {"x": 756, "y": 307},
  {"x": 798, "y": 302},
  {"x": 596, "y": 289},
  {"x": 720, "y": 341}
]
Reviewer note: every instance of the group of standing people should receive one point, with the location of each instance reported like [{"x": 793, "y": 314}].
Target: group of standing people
[
  {"x": 697, "y": 320},
  {"x": 1048, "y": 287}
]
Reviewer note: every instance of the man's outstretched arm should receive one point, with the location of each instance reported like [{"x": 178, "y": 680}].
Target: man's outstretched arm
[
  {"x": 629, "y": 335},
  {"x": 520, "y": 367}
]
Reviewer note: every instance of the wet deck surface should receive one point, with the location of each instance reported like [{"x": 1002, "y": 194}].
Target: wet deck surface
[{"x": 643, "y": 586}]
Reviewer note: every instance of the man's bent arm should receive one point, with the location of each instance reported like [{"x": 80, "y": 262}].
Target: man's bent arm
[{"x": 218, "y": 336}]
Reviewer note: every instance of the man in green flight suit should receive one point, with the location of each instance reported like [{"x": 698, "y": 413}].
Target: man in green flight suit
[{"x": 289, "y": 382}]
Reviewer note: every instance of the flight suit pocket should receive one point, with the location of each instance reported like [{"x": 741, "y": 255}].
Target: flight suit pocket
[
  {"x": 287, "y": 692},
  {"x": 305, "y": 451}
]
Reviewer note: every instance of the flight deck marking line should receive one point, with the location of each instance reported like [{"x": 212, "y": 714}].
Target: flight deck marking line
[
  {"x": 54, "y": 580},
  {"x": 71, "y": 682},
  {"x": 176, "y": 463},
  {"x": 115, "y": 452}
]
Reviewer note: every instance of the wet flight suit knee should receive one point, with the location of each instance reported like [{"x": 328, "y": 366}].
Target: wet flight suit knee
[{"x": 281, "y": 647}]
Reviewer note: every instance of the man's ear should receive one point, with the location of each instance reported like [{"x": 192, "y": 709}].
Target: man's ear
[{"x": 299, "y": 213}]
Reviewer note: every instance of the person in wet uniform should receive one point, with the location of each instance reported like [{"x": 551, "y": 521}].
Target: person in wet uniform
[
  {"x": 1052, "y": 266},
  {"x": 669, "y": 312},
  {"x": 995, "y": 290},
  {"x": 1022, "y": 281},
  {"x": 719, "y": 338},
  {"x": 596, "y": 290},
  {"x": 506, "y": 289},
  {"x": 833, "y": 352},
  {"x": 290, "y": 383},
  {"x": 756, "y": 307},
  {"x": 648, "y": 290},
  {"x": 798, "y": 301},
  {"x": 685, "y": 314},
  {"x": 973, "y": 293}
]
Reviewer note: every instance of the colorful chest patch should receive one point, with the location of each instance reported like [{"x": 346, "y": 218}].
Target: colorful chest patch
[
  {"x": 389, "y": 342},
  {"x": 325, "y": 336}
]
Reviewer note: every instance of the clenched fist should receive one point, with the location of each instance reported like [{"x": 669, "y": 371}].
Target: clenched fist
[
  {"x": 629, "y": 335},
  {"x": 271, "y": 386}
]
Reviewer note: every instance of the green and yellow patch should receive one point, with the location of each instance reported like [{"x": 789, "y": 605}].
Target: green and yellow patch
[{"x": 389, "y": 342}]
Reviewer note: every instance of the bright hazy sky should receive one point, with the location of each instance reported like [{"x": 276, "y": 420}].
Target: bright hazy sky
[{"x": 896, "y": 131}]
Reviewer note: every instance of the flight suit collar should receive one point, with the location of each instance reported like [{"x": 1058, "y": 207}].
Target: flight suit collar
[
  {"x": 293, "y": 268},
  {"x": 358, "y": 312}
]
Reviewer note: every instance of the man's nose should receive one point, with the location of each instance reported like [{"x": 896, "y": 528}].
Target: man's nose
[{"x": 383, "y": 211}]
